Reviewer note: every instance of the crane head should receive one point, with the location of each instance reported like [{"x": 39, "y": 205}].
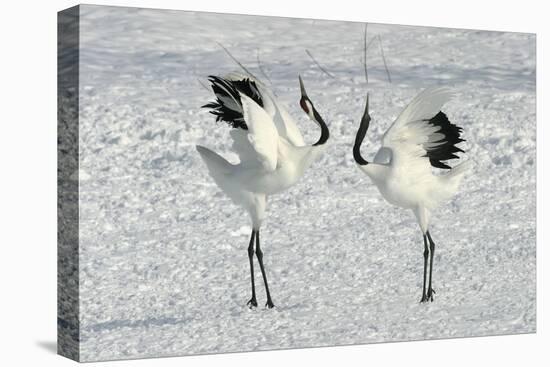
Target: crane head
[
  {"x": 310, "y": 110},
  {"x": 361, "y": 132},
  {"x": 305, "y": 102},
  {"x": 366, "y": 117},
  {"x": 308, "y": 106}
]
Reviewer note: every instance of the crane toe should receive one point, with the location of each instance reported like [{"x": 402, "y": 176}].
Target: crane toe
[
  {"x": 252, "y": 303},
  {"x": 430, "y": 295}
]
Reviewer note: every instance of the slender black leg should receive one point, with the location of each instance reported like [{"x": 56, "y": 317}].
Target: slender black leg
[
  {"x": 426, "y": 253},
  {"x": 252, "y": 302},
  {"x": 431, "y": 292},
  {"x": 260, "y": 256}
]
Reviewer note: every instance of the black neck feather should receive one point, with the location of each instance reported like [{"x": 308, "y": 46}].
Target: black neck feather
[
  {"x": 359, "y": 140},
  {"x": 324, "y": 129}
]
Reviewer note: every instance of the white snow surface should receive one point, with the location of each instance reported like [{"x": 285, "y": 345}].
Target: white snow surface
[{"x": 163, "y": 261}]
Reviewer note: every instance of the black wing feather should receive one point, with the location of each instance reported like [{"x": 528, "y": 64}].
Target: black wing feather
[
  {"x": 447, "y": 148},
  {"x": 224, "y": 88}
]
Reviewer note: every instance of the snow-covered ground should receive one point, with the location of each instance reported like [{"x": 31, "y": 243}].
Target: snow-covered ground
[{"x": 163, "y": 261}]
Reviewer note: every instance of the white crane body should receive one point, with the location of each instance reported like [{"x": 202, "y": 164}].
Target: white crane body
[
  {"x": 271, "y": 150},
  {"x": 420, "y": 138}
]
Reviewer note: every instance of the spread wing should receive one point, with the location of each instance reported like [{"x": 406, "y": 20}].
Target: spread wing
[
  {"x": 243, "y": 148},
  {"x": 423, "y": 133},
  {"x": 262, "y": 136},
  {"x": 285, "y": 124}
]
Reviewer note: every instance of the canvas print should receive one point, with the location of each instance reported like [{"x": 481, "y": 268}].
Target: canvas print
[{"x": 231, "y": 183}]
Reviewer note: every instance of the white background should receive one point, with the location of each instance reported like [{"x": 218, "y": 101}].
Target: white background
[{"x": 28, "y": 181}]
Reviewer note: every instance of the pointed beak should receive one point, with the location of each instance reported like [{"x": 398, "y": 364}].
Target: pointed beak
[
  {"x": 366, "y": 115},
  {"x": 302, "y": 88}
]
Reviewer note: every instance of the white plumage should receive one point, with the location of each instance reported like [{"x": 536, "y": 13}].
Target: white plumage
[
  {"x": 283, "y": 121},
  {"x": 421, "y": 137},
  {"x": 271, "y": 151}
]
